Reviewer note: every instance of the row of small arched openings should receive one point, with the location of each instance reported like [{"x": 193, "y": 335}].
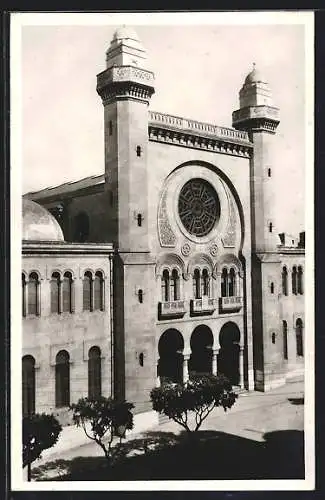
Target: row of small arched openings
[
  {"x": 62, "y": 379},
  {"x": 297, "y": 281},
  {"x": 299, "y": 338},
  {"x": 62, "y": 292},
  {"x": 201, "y": 279}
]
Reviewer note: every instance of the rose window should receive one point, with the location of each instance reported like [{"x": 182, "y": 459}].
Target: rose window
[{"x": 198, "y": 207}]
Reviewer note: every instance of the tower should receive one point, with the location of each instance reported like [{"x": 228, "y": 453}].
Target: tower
[
  {"x": 259, "y": 117},
  {"x": 126, "y": 87}
]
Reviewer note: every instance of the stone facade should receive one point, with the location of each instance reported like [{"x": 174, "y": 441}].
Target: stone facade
[{"x": 197, "y": 277}]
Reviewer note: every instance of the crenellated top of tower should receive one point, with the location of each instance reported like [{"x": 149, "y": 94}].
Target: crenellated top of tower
[{"x": 126, "y": 49}]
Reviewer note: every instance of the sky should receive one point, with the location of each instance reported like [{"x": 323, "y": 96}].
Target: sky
[{"x": 199, "y": 70}]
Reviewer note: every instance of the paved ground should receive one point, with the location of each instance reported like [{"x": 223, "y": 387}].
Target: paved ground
[{"x": 253, "y": 421}]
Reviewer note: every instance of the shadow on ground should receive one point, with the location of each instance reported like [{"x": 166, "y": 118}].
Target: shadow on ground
[{"x": 208, "y": 455}]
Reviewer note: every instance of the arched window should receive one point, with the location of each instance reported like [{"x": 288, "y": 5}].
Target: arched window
[
  {"x": 224, "y": 282},
  {"x": 284, "y": 281},
  {"x": 62, "y": 379},
  {"x": 300, "y": 281},
  {"x": 94, "y": 373},
  {"x": 23, "y": 294},
  {"x": 56, "y": 293},
  {"x": 299, "y": 337},
  {"x": 285, "y": 339},
  {"x": 81, "y": 227},
  {"x": 197, "y": 284},
  {"x": 67, "y": 292},
  {"x": 294, "y": 280},
  {"x": 99, "y": 291},
  {"x": 205, "y": 283},
  {"x": 28, "y": 385},
  {"x": 232, "y": 283},
  {"x": 174, "y": 284},
  {"x": 33, "y": 294},
  {"x": 87, "y": 291},
  {"x": 165, "y": 286}
]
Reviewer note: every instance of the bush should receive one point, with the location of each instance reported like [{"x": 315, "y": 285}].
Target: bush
[
  {"x": 198, "y": 396},
  {"x": 40, "y": 431},
  {"x": 107, "y": 418}
]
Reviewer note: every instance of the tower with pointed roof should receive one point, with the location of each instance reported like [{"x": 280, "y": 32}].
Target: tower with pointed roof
[
  {"x": 258, "y": 116},
  {"x": 126, "y": 87}
]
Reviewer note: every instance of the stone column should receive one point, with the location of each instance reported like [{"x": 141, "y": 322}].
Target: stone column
[
  {"x": 241, "y": 366},
  {"x": 186, "y": 358},
  {"x": 215, "y": 361}
]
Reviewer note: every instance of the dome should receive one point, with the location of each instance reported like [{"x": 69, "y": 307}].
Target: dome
[
  {"x": 128, "y": 36},
  {"x": 124, "y": 33},
  {"x": 38, "y": 224},
  {"x": 254, "y": 77}
]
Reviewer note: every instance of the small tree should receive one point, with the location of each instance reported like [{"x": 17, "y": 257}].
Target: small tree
[
  {"x": 198, "y": 396},
  {"x": 106, "y": 418},
  {"x": 40, "y": 431}
]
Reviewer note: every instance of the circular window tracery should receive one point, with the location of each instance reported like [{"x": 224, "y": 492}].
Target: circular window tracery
[{"x": 198, "y": 207}]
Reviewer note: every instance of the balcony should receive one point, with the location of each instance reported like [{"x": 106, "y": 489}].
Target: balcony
[
  {"x": 230, "y": 304},
  {"x": 205, "y": 305},
  {"x": 172, "y": 309}
]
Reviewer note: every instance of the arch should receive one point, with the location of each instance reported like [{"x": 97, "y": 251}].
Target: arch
[
  {"x": 170, "y": 261},
  {"x": 99, "y": 291},
  {"x": 200, "y": 261},
  {"x": 62, "y": 379},
  {"x": 174, "y": 283},
  {"x": 205, "y": 283},
  {"x": 232, "y": 282},
  {"x": 216, "y": 170},
  {"x": 300, "y": 284},
  {"x": 165, "y": 290},
  {"x": 294, "y": 280},
  {"x": 94, "y": 373},
  {"x": 299, "y": 338},
  {"x": 201, "y": 343},
  {"x": 67, "y": 292},
  {"x": 81, "y": 227},
  {"x": 28, "y": 385},
  {"x": 197, "y": 284},
  {"x": 23, "y": 294},
  {"x": 170, "y": 350},
  {"x": 33, "y": 293},
  {"x": 228, "y": 358},
  {"x": 285, "y": 339},
  {"x": 55, "y": 287},
  {"x": 224, "y": 282},
  {"x": 284, "y": 280},
  {"x": 87, "y": 295},
  {"x": 228, "y": 260}
]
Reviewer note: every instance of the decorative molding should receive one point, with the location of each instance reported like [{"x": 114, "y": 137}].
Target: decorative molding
[
  {"x": 229, "y": 238},
  {"x": 186, "y": 249},
  {"x": 166, "y": 235},
  {"x": 195, "y": 140},
  {"x": 213, "y": 250}
]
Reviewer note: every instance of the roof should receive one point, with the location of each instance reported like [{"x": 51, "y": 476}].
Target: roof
[{"x": 66, "y": 188}]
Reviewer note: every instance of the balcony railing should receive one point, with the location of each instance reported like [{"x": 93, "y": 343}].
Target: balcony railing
[
  {"x": 171, "y": 309},
  {"x": 205, "y": 305},
  {"x": 230, "y": 304}
]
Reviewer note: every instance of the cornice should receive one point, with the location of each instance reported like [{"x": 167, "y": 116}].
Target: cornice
[
  {"x": 198, "y": 135},
  {"x": 63, "y": 248}
]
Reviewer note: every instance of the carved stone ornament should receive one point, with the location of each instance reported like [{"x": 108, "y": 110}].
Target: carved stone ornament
[
  {"x": 167, "y": 237},
  {"x": 186, "y": 249},
  {"x": 213, "y": 250},
  {"x": 229, "y": 238}
]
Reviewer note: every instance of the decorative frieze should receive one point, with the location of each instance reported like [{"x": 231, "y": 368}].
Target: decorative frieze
[
  {"x": 125, "y": 82},
  {"x": 198, "y": 135},
  {"x": 167, "y": 236},
  {"x": 229, "y": 238}
]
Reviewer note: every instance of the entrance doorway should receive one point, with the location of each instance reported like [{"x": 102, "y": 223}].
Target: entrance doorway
[
  {"x": 228, "y": 358},
  {"x": 170, "y": 363},
  {"x": 201, "y": 346}
]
